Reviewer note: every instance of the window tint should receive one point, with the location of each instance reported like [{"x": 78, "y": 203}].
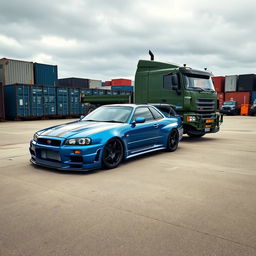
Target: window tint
[
  {"x": 156, "y": 114},
  {"x": 143, "y": 112}
]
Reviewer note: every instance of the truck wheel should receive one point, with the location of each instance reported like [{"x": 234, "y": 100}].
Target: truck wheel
[
  {"x": 193, "y": 135},
  {"x": 172, "y": 141}
]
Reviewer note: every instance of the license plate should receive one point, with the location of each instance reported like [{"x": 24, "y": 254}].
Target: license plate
[
  {"x": 208, "y": 126},
  {"x": 207, "y": 129},
  {"x": 209, "y": 121},
  {"x": 49, "y": 154}
]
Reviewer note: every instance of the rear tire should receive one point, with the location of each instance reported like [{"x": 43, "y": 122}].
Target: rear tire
[{"x": 172, "y": 141}]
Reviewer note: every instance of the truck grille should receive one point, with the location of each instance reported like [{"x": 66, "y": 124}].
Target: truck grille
[
  {"x": 50, "y": 142},
  {"x": 205, "y": 106}
]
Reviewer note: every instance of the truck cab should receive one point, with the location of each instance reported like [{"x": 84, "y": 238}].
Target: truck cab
[
  {"x": 230, "y": 108},
  {"x": 190, "y": 91}
]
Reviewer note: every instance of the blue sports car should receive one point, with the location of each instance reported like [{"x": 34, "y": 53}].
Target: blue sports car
[{"x": 105, "y": 137}]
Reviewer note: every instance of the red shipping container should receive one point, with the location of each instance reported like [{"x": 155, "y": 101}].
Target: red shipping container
[
  {"x": 221, "y": 98},
  {"x": 219, "y": 83},
  {"x": 108, "y": 83},
  {"x": 240, "y": 97},
  {"x": 121, "y": 82}
]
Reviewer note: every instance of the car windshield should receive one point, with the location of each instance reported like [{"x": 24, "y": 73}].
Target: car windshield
[
  {"x": 115, "y": 114},
  {"x": 229, "y": 103},
  {"x": 198, "y": 83}
]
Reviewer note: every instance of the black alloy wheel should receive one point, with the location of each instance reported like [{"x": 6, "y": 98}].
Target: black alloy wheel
[
  {"x": 173, "y": 140},
  {"x": 112, "y": 154}
]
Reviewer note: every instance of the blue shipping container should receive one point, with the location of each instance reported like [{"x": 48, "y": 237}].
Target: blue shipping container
[
  {"x": 45, "y": 74},
  {"x": 253, "y": 97},
  {"x": 17, "y": 101},
  {"x": 49, "y": 99},
  {"x": 74, "y": 101},
  {"x": 122, "y": 88},
  {"x": 37, "y": 106},
  {"x": 62, "y": 101}
]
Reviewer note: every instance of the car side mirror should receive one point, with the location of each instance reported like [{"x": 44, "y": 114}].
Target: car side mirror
[
  {"x": 139, "y": 120},
  {"x": 82, "y": 117}
]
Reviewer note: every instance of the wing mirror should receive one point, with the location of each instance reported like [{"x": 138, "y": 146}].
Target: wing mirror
[
  {"x": 139, "y": 120},
  {"x": 81, "y": 118}
]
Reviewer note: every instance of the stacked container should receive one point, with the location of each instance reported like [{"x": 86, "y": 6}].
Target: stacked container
[
  {"x": 73, "y": 82},
  {"x": 240, "y": 97},
  {"x": 17, "y": 101},
  {"x": 219, "y": 85},
  {"x": 95, "y": 84},
  {"x": 46, "y": 75},
  {"x": 36, "y": 99},
  {"x": 121, "y": 82},
  {"x": 49, "y": 94},
  {"x": 2, "y": 111},
  {"x": 16, "y": 71},
  {"x": 231, "y": 83},
  {"x": 246, "y": 83},
  {"x": 74, "y": 102},
  {"x": 62, "y": 101},
  {"x": 108, "y": 83}
]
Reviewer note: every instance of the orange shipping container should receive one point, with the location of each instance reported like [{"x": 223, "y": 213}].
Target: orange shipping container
[
  {"x": 221, "y": 98},
  {"x": 121, "y": 82}
]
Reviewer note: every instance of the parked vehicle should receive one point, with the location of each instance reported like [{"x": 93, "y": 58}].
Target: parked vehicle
[
  {"x": 105, "y": 137},
  {"x": 230, "y": 108},
  {"x": 253, "y": 109},
  {"x": 190, "y": 91}
]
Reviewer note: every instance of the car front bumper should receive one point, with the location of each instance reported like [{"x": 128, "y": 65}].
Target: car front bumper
[{"x": 65, "y": 158}]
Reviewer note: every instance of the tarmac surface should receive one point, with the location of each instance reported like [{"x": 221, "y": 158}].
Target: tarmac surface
[{"x": 199, "y": 200}]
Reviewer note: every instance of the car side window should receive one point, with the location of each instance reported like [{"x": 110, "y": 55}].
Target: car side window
[
  {"x": 143, "y": 112},
  {"x": 155, "y": 113}
]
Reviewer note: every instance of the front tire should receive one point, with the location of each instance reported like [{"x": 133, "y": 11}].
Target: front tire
[
  {"x": 172, "y": 141},
  {"x": 112, "y": 154}
]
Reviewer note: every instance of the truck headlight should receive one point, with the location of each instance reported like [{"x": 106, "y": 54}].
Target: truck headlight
[
  {"x": 191, "y": 118},
  {"x": 78, "y": 141}
]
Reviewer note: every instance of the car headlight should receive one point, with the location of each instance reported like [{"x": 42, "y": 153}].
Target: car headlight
[
  {"x": 78, "y": 141},
  {"x": 35, "y": 136},
  {"x": 191, "y": 118}
]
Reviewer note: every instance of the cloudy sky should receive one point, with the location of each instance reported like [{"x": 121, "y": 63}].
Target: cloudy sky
[{"x": 104, "y": 39}]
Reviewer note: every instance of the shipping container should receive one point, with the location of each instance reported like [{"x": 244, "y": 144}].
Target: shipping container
[
  {"x": 62, "y": 101},
  {"x": 94, "y": 84},
  {"x": 246, "y": 83},
  {"x": 73, "y": 82},
  {"x": 122, "y": 88},
  {"x": 220, "y": 98},
  {"x": 49, "y": 99},
  {"x": 17, "y": 101},
  {"x": 240, "y": 97},
  {"x": 45, "y": 74},
  {"x": 74, "y": 102},
  {"x": 231, "y": 83},
  {"x": 219, "y": 83},
  {"x": 121, "y": 82},
  {"x": 2, "y": 112},
  {"x": 103, "y": 84},
  {"x": 16, "y": 71},
  {"x": 253, "y": 98},
  {"x": 36, "y": 100},
  {"x": 108, "y": 83}
]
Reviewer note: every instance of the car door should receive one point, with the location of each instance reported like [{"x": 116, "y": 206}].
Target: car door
[{"x": 142, "y": 136}]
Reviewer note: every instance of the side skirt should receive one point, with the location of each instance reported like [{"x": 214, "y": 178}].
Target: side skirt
[{"x": 144, "y": 152}]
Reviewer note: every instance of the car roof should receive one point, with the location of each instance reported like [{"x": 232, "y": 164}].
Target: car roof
[{"x": 128, "y": 105}]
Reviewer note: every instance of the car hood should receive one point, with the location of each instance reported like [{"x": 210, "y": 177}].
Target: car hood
[{"x": 78, "y": 129}]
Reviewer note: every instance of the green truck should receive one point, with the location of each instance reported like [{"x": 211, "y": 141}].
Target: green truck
[{"x": 190, "y": 91}]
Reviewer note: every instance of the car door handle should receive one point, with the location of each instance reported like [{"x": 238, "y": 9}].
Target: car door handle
[{"x": 156, "y": 125}]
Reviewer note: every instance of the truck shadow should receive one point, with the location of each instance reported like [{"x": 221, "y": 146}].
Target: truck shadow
[{"x": 200, "y": 140}]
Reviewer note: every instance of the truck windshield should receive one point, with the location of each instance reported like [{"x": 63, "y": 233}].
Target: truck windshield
[{"x": 198, "y": 83}]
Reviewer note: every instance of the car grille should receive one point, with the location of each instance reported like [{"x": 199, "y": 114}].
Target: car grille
[
  {"x": 205, "y": 106},
  {"x": 50, "y": 142}
]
